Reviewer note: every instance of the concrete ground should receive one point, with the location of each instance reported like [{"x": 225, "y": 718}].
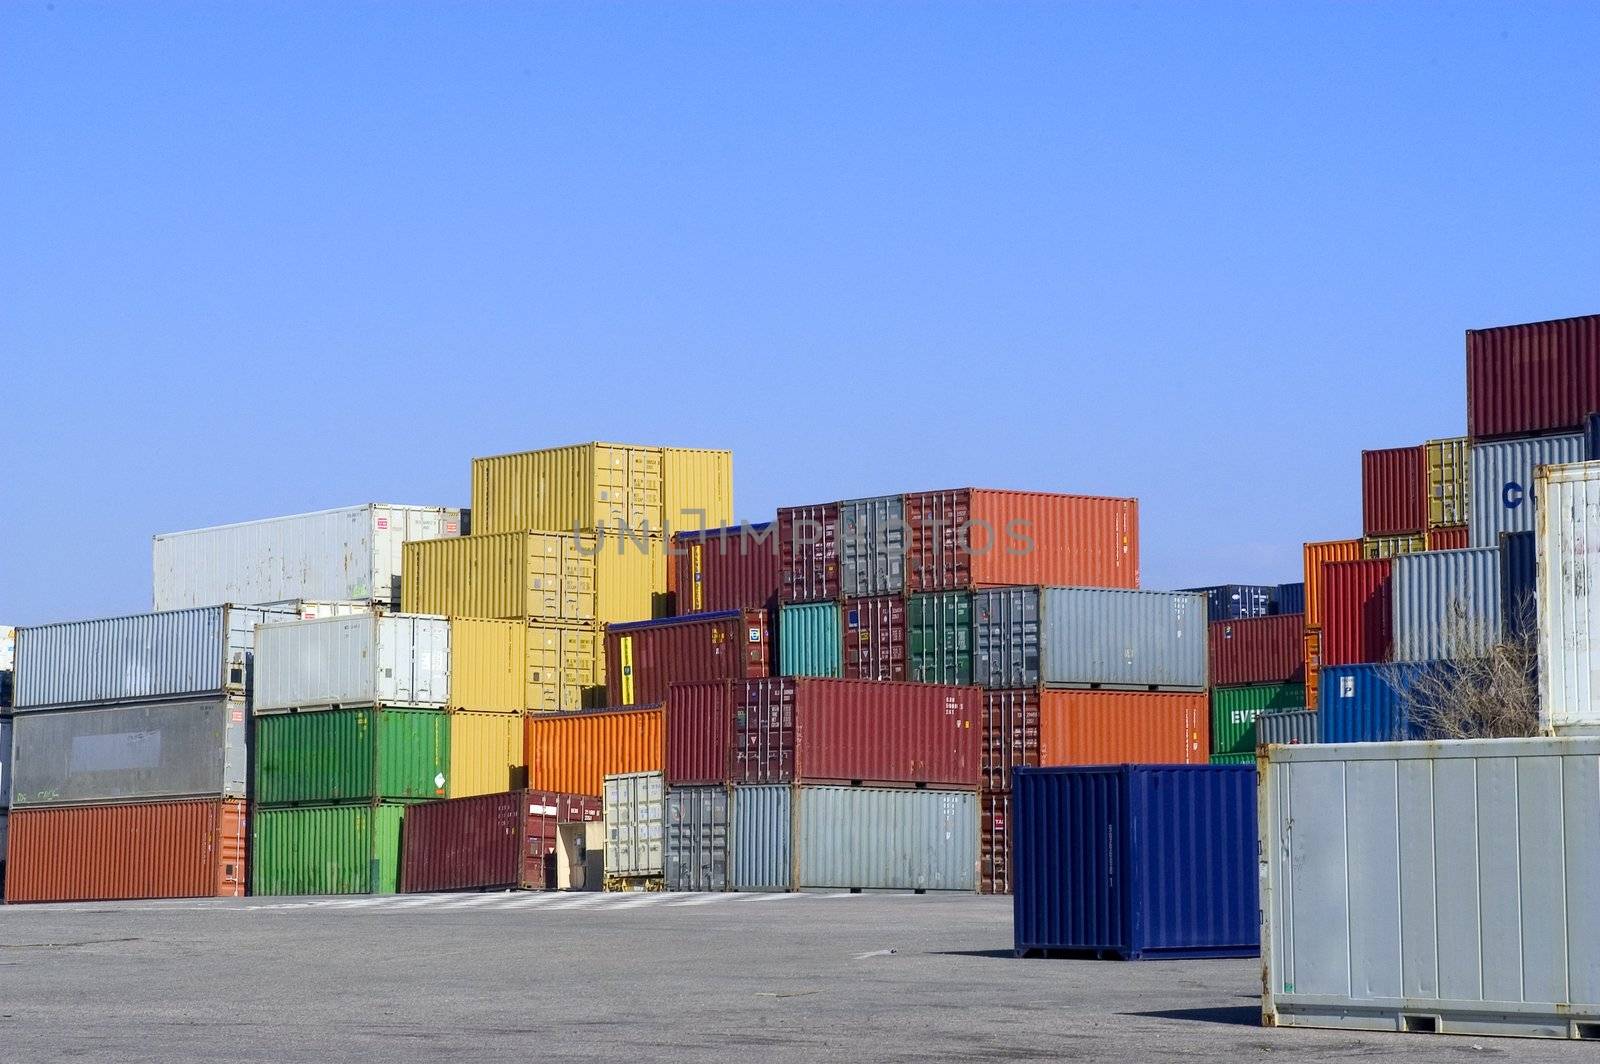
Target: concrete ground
[{"x": 537, "y": 978}]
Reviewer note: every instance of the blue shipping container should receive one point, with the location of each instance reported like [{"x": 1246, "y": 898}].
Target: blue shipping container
[
  {"x": 1591, "y": 438},
  {"x": 1519, "y": 570},
  {"x": 1135, "y": 861},
  {"x": 1291, "y": 598},
  {"x": 1369, "y": 703},
  {"x": 1230, "y": 602}
]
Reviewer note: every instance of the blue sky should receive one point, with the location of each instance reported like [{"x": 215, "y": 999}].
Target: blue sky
[{"x": 272, "y": 258}]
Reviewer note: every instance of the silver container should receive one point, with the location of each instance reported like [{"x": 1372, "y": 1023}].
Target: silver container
[
  {"x": 144, "y": 657},
  {"x": 397, "y": 659},
  {"x": 1286, "y": 726},
  {"x": 1446, "y": 887},
  {"x": 1106, "y": 637},
  {"x": 5, "y": 763},
  {"x": 696, "y": 853},
  {"x": 1503, "y": 492},
  {"x": 1446, "y": 603},
  {"x": 634, "y": 824},
  {"x": 872, "y": 546},
  {"x": 131, "y": 753},
  {"x": 1567, "y": 583},
  {"x": 352, "y": 553},
  {"x": 1005, "y": 637}
]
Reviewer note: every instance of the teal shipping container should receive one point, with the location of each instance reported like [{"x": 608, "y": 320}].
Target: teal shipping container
[{"x": 810, "y": 640}]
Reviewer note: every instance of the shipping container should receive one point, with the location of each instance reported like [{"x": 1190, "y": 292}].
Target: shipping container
[
  {"x": 808, "y": 553},
  {"x": 1137, "y": 639},
  {"x": 1394, "y": 491},
  {"x": 1566, "y": 609},
  {"x": 392, "y": 659},
  {"x": 488, "y": 754},
  {"x": 347, "y": 755},
  {"x": 1291, "y": 598},
  {"x": 144, "y": 657},
  {"x": 1519, "y": 568},
  {"x": 1455, "y": 538},
  {"x": 872, "y": 546},
  {"x": 1372, "y": 703},
  {"x": 1313, "y": 663},
  {"x": 968, "y": 538},
  {"x": 635, "y": 825},
  {"x": 1236, "y": 712},
  {"x": 1258, "y": 650},
  {"x": 1227, "y": 602},
  {"x": 130, "y": 752},
  {"x": 854, "y": 838},
  {"x": 488, "y": 842},
  {"x": 699, "y": 717},
  {"x": 696, "y": 852},
  {"x": 1010, "y": 735},
  {"x": 939, "y": 637},
  {"x": 1135, "y": 861},
  {"x": 591, "y": 486},
  {"x": 566, "y": 666},
  {"x": 8, "y": 655},
  {"x": 1534, "y": 378},
  {"x": 488, "y": 665},
  {"x": 1485, "y": 924},
  {"x": 1503, "y": 491},
  {"x": 1233, "y": 759},
  {"x": 1005, "y": 637},
  {"x": 326, "y": 849},
  {"x": 810, "y": 640},
  {"x": 7, "y": 761},
  {"x": 184, "y": 849},
  {"x": 874, "y": 638},
  {"x": 854, "y": 731},
  {"x": 994, "y": 843},
  {"x": 1448, "y": 483},
  {"x": 735, "y": 568},
  {"x": 1288, "y": 726},
  {"x": 1111, "y": 727},
  {"x": 1394, "y": 546},
  {"x": 1446, "y": 604},
  {"x": 574, "y": 752},
  {"x": 1316, "y": 556},
  {"x": 1358, "y": 613},
  {"x": 648, "y": 656},
  {"x": 348, "y": 554},
  {"x": 1591, "y": 437}
]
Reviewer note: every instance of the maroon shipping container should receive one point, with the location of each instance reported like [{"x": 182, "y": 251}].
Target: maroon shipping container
[
  {"x": 812, "y": 730},
  {"x": 994, "y": 832},
  {"x": 808, "y": 553},
  {"x": 1010, "y": 734},
  {"x": 1452, "y": 538},
  {"x": 726, "y": 569},
  {"x": 490, "y": 842},
  {"x": 644, "y": 657},
  {"x": 1524, "y": 380},
  {"x": 698, "y": 719},
  {"x": 1357, "y": 612},
  {"x": 875, "y": 638},
  {"x": 1258, "y": 650},
  {"x": 1394, "y": 491}
]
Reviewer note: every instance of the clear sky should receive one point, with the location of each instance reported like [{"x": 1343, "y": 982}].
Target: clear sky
[{"x": 259, "y": 259}]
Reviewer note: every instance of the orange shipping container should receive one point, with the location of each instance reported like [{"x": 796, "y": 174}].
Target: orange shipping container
[
  {"x": 190, "y": 849},
  {"x": 573, "y": 752},
  {"x": 1313, "y": 664},
  {"x": 1317, "y": 555},
  {"x": 1118, "y": 727}
]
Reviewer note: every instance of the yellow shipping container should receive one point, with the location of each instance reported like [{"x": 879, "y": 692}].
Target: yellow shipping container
[
  {"x": 1448, "y": 483},
  {"x": 697, "y": 489},
  {"x": 1389, "y": 546},
  {"x": 488, "y": 754},
  {"x": 1316, "y": 554},
  {"x": 488, "y": 665},
  {"x": 566, "y": 666}
]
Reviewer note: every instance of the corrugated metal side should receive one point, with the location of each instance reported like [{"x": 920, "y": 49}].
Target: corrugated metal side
[
  {"x": 7, "y": 761},
  {"x": 584, "y": 486},
  {"x": 1112, "y": 727},
  {"x": 1591, "y": 437},
  {"x": 1448, "y": 483},
  {"x": 1005, "y": 637},
  {"x": 1236, "y": 713},
  {"x": 939, "y": 637},
  {"x": 1066, "y": 862},
  {"x": 1010, "y": 735},
  {"x": 871, "y": 838},
  {"x": 635, "y": 824},
  {"x": 1519, "y": 568},
  {"x": 488, "y": 665},
  {"x": 193, "y": 849},
  {"x": 1313, "y": 664},
  {"x": 1358, "y": 616},
  {"x": 874, "y": 638},
  {"x": 1137, "y": 638},
  {"x": 464, "y": 844},
  {"x": 1394, "y": 490},
  {"x": 337, "y": 755},
  {"x": 872, "y": 546},
  {"x": 1258, "y": 650},
  {"x": 1227, "y": 602},
  {"x": 994, "y": 843},
  {"x": 734, "y": 568},
  {"x": 519, "y": 575},
  {"x": 574, "y": 752},
  {"x": 1538, "y": 377},
  {"x": 1455, "y": 538},
  {"x": 1502, "y": 483},
  {"x": 697, "y": 489},
  {"x": 1291, "y": 598},
  {"x": 326, "y": 849},
  {"x": 1393, "y": 546},
  {"x": 810, "y": 640},
  {"x": 696, "y": 853},
  {"x": 647, "y": 658},
  {"x": 394, "y": 659},
  {"x": 808, "y": 552},
  {"x": 1288, "y": 726},
  {"x": 1446, "y": 604},
  {"x": 566, "y": 667},
  {"x": 487, "y": 754},
  {"x": 1367, "y": 703},
  {"x": 1567, "y": 608},
  {"x": 762, "y": 830},
  {"x": 1316, "y": 556},
  {"x": 698, "y": 718}
]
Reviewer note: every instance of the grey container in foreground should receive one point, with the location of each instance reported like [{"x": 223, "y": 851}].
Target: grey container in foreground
[
  {"x": 1286, "y": 726},
  {"x": 696, "y": 853},
  {"x": 1485, "y": 925},
  {"x": 1107, "y": 637}
]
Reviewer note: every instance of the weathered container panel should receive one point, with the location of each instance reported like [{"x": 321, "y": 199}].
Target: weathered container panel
[
  {"x": 326, "y": 849},
  {"x": 1118, "y": 637},
  {"x": 1394, "y": 491},
  {"x": 1446, "y": 604},
  {"x": 566, "y": 667},
  {"x": 1534, "y": 378},
  {"x": 844, "y": 835},
  {"x": 874, "y": 638},
  {"x": 1010, "y": 735},
  {"x": 1112, "y": 727},
  {"x": 939, "y": 637},
  {"x": 1358, "y": 621},
  {"x": 763, "y": 822},
  {"x": 1448, "y": 483},
  {"x": 1228, "y": 602},
  {"x": 491, "y": 841},
  {"x": 872, "y": 546},
  {"x": 574, "y": 752},
  {"x": 635, "y": 824},
  {"x": 810, "y": 640},
  {"x": 649, "y": 656},
  {"x": 391, "y": 659},
  {"x": 1503, "y": 491},
  {"x": 1287, "y": 726},
  {"x": 696, "y": 853},
  {"x": 1258, "y": 650},
  {"x": 1005, "y": 637},
  {"x": 699, "y": 717},
  {"x": 1567, "y": 599},
  {"x": 808, "y": 553}
]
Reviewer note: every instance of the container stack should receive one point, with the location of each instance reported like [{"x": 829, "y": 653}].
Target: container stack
[{"x": 1257, "y": 666}]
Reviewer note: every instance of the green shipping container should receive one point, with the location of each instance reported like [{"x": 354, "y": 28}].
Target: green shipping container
[
  {"x": 326, "y": 849},
  {"x": 336, "y": 755},
  {"x": 1234, "y": 711},
  {"x": 810, "y": 640},
  {"x": 1233, "y": 759},
  {"x": 939, "y": 637}
]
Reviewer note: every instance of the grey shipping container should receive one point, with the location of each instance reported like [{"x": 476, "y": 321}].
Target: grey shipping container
[
  {"x": 5, "y": 763},
  {"x": 872, "y": 546},
  {"x": 854, "y": 838},
  {"x": 1108, "y": 637},
  {"x": 1005, "y": 637},
  {"x": 1502, "y": 483},
  {"x": 351, "y": 553},
  {"x": 134, "y": 752},
  {"x": 634, "y": 822},
  {"x": 1446, "y": 603},
  {"x": 696, "y": 853},
  {"x": 1444, "y": 887},
  {"x": 397, "y": 659},
  {"x": 1287, "y": 726},
  {"x": 143, "y": 657}
]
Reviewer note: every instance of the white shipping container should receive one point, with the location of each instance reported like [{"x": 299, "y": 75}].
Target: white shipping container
[
  {"x": 1442, "y": 887},
  {"x": 635, "y": 818},
  {"x": 1567, "y": 596},
  {"x": 396, "y": 659},
  {"x": 349, "y": 554}
]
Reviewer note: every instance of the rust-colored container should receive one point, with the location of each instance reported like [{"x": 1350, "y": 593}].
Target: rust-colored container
[
  {"x": 1258, "y": 650},
  {"x": 1358, "y": 612},
  {"x": 645, "y": 657},
  {"x": 574, "y": 752},
  {"x": 812, "y": 730},
  {"x": 1313, "y": 663},
  {"x": 1010, "y": 734},
  {"x": 1454, "y": 538},
  {"x": 1394, "y": 491},
  {"x": 736, "y": 568},
  {"x": 1316, "y": 556},
  {"x": 490, "y": 842},
  {"x": 1525, "y": 380},
  {"x": 967, "y": 538},
  {"x": 875, "y": 638},
  {"x": 1124, "y": 727},
  {"x": 698, "y": 718},
  {"x": 808, "y": 553},
  {"x": 994, "y": 833},
  {"x": 185, "y": 849}
]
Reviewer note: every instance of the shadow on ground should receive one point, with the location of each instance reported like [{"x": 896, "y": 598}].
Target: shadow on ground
[{"x": 1233, "y": 1015}]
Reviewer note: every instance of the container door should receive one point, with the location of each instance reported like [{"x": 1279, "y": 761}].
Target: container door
[{"x": 1005, "y": 628}]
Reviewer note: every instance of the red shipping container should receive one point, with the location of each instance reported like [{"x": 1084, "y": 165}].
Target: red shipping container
[
  {"x": 1525, "y": 380},
  {"x": 1357, "y": 612},
  {"x": 994, "y": 863},
  {"x": 1010, "y": 734},
  {"x": 488, "y": 842},
  {"x": 1394, "y": 491},
  {"x": 812, "y": 730},
  {"x": 1258, "y": 650},
  {"x": 644, "y": 657},
  {"x": 698, "y": 719},
  {"x": 726, "y": 569},
  {"x": 980, "y": 537},
  {"x": 1124, "y": 727},
  {"x": 875, "y": 638},
  {"x": 808, "y": 553},
  {"x": 1452, "y": 538}
]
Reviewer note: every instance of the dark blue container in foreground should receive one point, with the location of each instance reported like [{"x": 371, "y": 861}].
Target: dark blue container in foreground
[
  {"x": 1230, "y": 602},
  {"x": 1135, "y": 861},
  {"x": 1519, "y": 567},
  {"x": 1291, "y": 598}
]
